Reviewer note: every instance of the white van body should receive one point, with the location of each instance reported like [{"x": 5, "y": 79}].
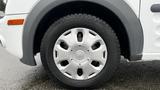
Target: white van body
[
  {"x": 138, "y": 26},
  {"x": 11, "y": 36}
]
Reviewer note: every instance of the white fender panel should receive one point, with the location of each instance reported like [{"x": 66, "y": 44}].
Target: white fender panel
[
  {"x": 20, "y": 6},
  {"x": 25, "y": 6},
  {"x": 11, "y": 36}
]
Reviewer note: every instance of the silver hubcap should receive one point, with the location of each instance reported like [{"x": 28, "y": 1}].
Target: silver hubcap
[{"x": 80, "y": 53}]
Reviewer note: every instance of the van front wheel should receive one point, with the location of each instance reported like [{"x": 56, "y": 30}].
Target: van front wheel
[{"x": 80, "y": 51}]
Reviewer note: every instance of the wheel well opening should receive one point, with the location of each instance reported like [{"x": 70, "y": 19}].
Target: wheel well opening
[{"x": 84, "y": 8}]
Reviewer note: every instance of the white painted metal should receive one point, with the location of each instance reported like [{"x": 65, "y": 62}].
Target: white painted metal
[
  {"x": 151, "y": 27},
  {"x": 11, "y": 36},
  {"x": 20, "y": 6},
  {"x": 80, "y": 53},
  {"x": 25, "y": 6}
]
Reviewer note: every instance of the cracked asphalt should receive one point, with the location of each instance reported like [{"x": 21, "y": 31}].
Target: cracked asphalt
[{"x": 130, "y": 76}]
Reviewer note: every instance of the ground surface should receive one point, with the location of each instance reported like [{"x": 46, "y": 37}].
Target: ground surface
[{"x": 130, "y": 76}]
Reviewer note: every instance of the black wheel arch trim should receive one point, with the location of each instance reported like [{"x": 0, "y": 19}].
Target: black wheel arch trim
[{"x": 119, "y": 7}]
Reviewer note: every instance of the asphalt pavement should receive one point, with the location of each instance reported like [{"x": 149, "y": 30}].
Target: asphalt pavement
[{"x": 130, "y": 76}]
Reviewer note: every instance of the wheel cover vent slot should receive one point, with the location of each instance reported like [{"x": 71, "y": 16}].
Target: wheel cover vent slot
[{"x": 80, "y": 36}]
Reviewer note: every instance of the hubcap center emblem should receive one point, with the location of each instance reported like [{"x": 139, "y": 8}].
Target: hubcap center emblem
[{"x": 80, "y": 54}]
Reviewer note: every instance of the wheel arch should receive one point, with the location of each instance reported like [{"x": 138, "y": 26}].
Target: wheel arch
[{"x": 118, "y": 7}]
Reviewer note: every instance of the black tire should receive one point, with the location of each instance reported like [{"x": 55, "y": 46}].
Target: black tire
[{"x": 87, "y": 21}]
